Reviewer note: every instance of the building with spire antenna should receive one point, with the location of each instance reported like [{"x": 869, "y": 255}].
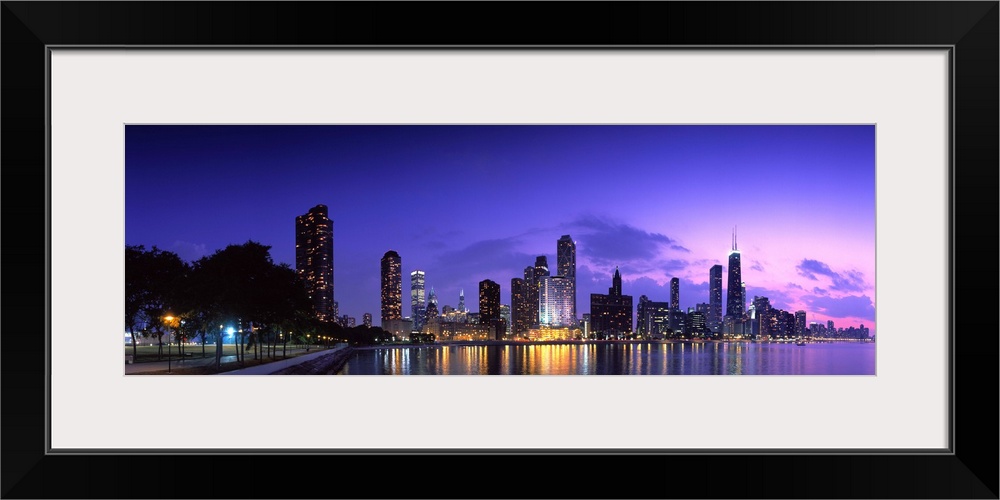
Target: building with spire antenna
[
  {"x": 611, "y": 314},
  {"x": 735, "y": 304}
]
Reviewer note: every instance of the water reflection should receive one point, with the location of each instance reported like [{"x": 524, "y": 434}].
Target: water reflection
[{"x": 713, "y": 358}]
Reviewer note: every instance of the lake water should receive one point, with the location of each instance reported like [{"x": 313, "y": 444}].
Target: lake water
[{"x": 650, "y": 358}]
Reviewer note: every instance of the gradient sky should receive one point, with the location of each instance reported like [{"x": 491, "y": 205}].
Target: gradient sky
[{"x": 467, "y": 203}]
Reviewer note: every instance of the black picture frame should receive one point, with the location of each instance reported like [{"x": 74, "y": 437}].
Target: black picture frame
[{"x": 970, "y": 29}]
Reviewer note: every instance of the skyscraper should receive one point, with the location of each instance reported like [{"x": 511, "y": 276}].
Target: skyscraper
[
  {"x": 675, "y": 294},
  {"x": 392, "y": 287},
  {"x": 540, "y": 270},
  {"x": 418, "y": 305},
  {"x": 541, "y": 266},
  {"x": 611, "y": 314},
  {"x": 505, "y": 316},
  {"x": 760, "y": 321},
  {"x": 461, "y": 301},
  {"x": 641, "y": 317},
  {"x": 734, "y": 292},
  {"x": 714, "y": 319},
  {"x": 566, "y": 266},
  {"x": 489, "y": 306},
  {"x": 531, "y": 297},
  {"x": 366, "y": 319},
  {"x": 800, "y": 323},
  {"x": 314, "y": 259},
  {"x": 652, "y": 318},
  {"x": 520, "y": 307},
  {"x": 555, "y": 301}
]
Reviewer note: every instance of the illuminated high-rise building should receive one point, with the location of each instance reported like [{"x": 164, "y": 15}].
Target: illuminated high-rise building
[
  {"x": 675, "y": 294},
  {"x": 652, "y": 318},
  {"x": 520, "y": 307},
  {"x": 800, "y": 323},
  {"x": 555, "y": 301},
  {"x": 734, "y": 293},
  {"x": 489, "y": 307},
  {"x": 366, "y": 319},
  {"x": 541, "y": 267},
  {"x": 641, "y": 319},
  {"x": 611, "y": 314},
  {"x": 505, "y": 316},
  {"x": 531, "y": 297},
  {"x": 461, "y": 300},
  {"x": 760, "y": 317},
  {"x": 566, "y": 267},
  {"x": 392, "y": 287},
  {"x": 418, "y": 304},
  {"x": 714, "y": 319},
  {"x": 314, "y": 259}
]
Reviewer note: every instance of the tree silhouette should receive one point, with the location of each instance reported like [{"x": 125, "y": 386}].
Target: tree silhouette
[
  {"x": 152, "y": 278},
  {"x": 241, "y": 286}
]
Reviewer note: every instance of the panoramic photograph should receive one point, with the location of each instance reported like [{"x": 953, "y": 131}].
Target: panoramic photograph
[{"x": 499, "y": 250}]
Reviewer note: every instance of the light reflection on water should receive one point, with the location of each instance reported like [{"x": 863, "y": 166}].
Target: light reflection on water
[{"x": 715, "y": 358}]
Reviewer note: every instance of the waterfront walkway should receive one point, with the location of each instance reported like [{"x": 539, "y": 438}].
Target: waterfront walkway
[
  {"x": 270, "y": 368},
  {"x": 189, "y": 363},
  {"x": 175, "y": 364}
]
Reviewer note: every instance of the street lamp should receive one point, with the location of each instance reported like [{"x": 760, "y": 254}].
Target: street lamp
[
  {"x": 169, "y": 320},
  {"x": 308, "y": 336}
]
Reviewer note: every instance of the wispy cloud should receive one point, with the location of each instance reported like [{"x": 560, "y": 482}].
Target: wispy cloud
[
  {"x": 848, "y": 306},
  {"x": 611, "y": 242},
  {"x": 496, "y": 259},
  {"x": 847, "y": 281}
]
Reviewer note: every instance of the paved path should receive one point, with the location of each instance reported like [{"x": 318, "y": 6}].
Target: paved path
[
  {"x": 269, "y": 368},
  {"x": 156, "y": 366}
]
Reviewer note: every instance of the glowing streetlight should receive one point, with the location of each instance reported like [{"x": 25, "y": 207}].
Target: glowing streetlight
[{"x": 169, "y": 320}]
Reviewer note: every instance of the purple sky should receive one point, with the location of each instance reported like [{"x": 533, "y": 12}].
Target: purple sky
[{"x": 467, "y": 203}]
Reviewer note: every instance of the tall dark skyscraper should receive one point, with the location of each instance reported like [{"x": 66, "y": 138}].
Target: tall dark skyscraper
[
  {"x": 735, "y": 295},
  {"x": 611, "y": 314},
  {"x": 489, "y": 307},
  {"x": 418, "y": 303},
  {"x": 392, "y": 287},
  {"x": 675, "y": 294},
  {"x": 489, "y": 301},
  {"x": 520, "y": 306},
  {"x": 714, "y": 319},
  {"x": 531, "y": 296},
  {"x": 641, "y": 316},
  {"x": 566, "y": 266},
  {"x": 541, "y": 266},
  {"x": 541, "y": 270},
  {"x": 734, "y": 290},
  {"x": 314, "y": 259},
  {"x": 800, "y": 323}
]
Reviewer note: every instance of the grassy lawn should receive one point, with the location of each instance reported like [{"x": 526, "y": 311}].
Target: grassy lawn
[{"x": 226, "y": 365}]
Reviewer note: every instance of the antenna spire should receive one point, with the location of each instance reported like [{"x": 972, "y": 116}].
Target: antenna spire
[{"x": 735, "y": 229}]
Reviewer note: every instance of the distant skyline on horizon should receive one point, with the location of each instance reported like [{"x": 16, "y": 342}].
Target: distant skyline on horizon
[{"x": 465, "y": 203}]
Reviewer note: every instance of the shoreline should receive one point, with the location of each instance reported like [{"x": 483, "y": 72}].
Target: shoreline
[{"x": 601, "y": 342}]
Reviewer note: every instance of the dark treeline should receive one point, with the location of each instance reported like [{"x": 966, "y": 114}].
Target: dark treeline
[{"x": 238, "y": 289}]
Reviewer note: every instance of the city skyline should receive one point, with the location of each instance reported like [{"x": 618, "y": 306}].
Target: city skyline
[{"x": 806, "y": 234}]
